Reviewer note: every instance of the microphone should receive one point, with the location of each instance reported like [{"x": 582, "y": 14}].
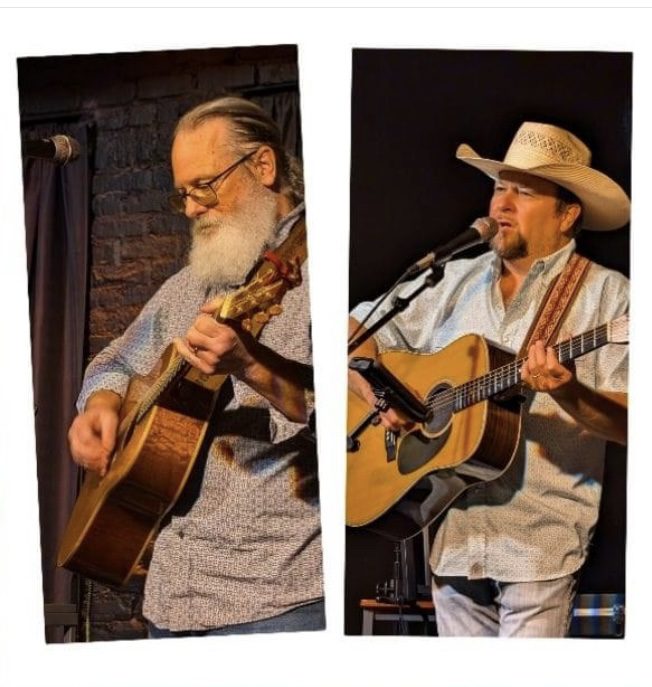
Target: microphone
[
  {"x": 482, "y": 230},
  {"x": 59, "y": 149}
]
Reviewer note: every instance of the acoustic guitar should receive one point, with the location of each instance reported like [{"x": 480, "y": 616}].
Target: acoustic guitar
[
  {"x": 399, "y": 482},
  {"x": 116, "y": 517}
]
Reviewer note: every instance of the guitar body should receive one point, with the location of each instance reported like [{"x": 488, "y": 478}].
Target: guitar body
[
  {"x": 116, "y": 517},
  {"x": 437, "y": 459}
]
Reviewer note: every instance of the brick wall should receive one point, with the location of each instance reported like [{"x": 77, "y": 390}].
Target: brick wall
[{"x": 132, "y": 102}]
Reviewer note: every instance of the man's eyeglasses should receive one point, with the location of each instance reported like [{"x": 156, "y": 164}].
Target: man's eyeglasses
[{"x": 204, "y": 194}]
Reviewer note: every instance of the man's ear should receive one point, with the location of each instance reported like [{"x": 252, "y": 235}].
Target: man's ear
[
  {"x": 264, "y": 163},
  {"x": 571, "y": 212}
]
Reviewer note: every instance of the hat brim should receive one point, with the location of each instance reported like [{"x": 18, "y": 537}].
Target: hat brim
[{"x": 604, "y": 203}]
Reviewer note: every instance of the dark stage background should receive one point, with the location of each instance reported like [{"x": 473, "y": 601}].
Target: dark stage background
[{"x": 410, "y": 111}]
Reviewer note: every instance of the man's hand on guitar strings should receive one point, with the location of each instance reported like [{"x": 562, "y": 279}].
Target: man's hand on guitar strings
[
  {"x": 92, "y": 437},
  {"x": 542, "y": 371}
]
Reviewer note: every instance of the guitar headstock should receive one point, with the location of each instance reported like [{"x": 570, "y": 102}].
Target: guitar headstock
[
  {"x": 257, "y": 301},
  {"x": 618, "y": 330}
]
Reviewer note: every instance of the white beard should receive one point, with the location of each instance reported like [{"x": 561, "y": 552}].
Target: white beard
[{"x": 225, "y": 249}]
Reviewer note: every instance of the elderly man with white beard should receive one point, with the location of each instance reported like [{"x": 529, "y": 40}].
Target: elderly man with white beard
[{"x": 243, "y": 554}]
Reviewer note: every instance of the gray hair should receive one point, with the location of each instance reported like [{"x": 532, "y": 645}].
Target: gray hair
[{"x": 252, "y": 127}]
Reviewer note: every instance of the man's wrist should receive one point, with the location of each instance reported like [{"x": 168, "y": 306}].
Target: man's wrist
[
  {"x": 568, "y": 391},
  {"x": 104, "y": 398}
]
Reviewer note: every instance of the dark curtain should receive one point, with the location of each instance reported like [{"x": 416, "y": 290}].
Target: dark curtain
[{"x": 57, "y": 229}]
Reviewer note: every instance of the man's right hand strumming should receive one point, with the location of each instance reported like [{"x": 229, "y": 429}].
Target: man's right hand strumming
[{"x": 92, "y": 435}]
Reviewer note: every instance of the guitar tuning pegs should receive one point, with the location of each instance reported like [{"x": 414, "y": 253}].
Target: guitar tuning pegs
[
  {"x": 261, "y": 318},
  {"x": 274, "y": 310}
]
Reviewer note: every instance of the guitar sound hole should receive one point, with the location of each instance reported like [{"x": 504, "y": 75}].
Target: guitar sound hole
[{"x": 441, "y": 408}]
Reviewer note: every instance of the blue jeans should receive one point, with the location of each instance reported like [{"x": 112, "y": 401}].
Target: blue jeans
[{"x": 301, "y": 619}]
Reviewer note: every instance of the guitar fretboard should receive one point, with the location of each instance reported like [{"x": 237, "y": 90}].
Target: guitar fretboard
[
  {"x": 507, "y": 376},
  {"x": 160, "y": 385}
]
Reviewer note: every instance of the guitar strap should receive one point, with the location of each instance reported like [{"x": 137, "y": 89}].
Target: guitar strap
[
  {"x": 293, "y": 249},
  {"x": 556, "y": 303}
]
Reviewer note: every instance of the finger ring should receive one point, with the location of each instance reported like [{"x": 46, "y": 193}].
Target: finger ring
[{"x": 535, "y": 376}]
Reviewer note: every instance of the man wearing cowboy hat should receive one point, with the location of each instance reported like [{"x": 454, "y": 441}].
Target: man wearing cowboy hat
[{"x": 506, "y": 557}]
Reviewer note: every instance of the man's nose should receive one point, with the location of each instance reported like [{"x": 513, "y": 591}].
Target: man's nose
[
  {"x": 193, "y": 209},
  {"x": 503, "y": 200}
]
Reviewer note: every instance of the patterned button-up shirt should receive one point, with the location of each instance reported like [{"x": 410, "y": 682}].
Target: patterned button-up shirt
[
  {"x": 249, "y": 547},
  {"x": 535, "y": 521}
]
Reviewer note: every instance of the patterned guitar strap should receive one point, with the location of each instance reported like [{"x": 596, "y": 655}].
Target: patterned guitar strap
[{"x": 556, "y": 303}]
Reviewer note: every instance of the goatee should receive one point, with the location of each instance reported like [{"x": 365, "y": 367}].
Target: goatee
[{"x": 511, "y": 249}]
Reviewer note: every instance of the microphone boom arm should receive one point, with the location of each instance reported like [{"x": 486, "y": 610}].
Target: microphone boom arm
[{"x": 399, "y": 304}]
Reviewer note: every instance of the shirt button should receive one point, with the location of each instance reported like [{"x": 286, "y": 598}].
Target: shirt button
[
  {"x": 181, "y": 534},
  {"x": 476, "y": 570}
]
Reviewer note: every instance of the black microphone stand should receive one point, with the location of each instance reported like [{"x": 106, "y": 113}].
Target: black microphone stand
[{"x": 399, "y": 304}]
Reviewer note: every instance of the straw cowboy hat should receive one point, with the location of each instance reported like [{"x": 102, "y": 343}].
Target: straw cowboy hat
[{"x": 554, "y": 154}]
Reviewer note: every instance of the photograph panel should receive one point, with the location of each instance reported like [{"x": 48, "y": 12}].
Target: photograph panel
[
  {"x": 178, "y": 489},
  {"x": 500, "y": 511}
]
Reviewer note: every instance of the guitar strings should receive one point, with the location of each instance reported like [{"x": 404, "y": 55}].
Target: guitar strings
[
  {"x": 508, "y": 375},
  {"x": 159, "y": 386}
]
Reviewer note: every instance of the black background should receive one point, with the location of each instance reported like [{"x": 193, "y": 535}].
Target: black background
[{"x": 410, "y": 111}]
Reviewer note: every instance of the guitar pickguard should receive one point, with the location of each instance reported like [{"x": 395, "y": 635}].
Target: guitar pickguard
[
  {"x": 416, "y": 449},
  {"x": 420, "y": 445}
]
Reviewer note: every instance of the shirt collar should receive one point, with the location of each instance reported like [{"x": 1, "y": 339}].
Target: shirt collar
[{"x": 286, "y": 223}]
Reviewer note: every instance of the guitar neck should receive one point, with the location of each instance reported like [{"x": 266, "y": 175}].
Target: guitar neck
[
  {"x": 235, "y": 307},
  {"x": 177, "y": 367},
  {"x": 505, "y": 377}
]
